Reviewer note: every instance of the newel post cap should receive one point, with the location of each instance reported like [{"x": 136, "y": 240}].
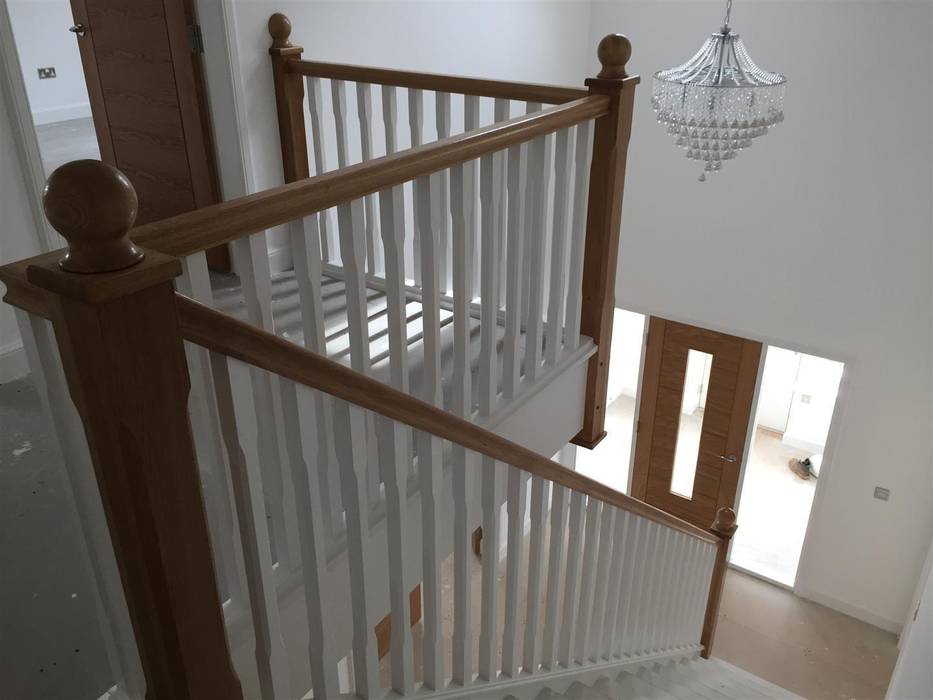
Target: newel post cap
[
  {"x": 725, "y": 525},
  {"x": 280, "y": 28},
  {"x": 613, "y": 53},
  {"x": 93, "y": 206}
]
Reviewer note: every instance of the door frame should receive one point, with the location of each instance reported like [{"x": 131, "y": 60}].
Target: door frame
[
  {"x": 832, "y": 438},
  {"x": 224, "y": 96}
]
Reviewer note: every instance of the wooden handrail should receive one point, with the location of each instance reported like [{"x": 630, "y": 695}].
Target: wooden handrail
[
  {"x": 229, "y": 336},
  {"x": 481, "y": 87},
  {"x": 205, "y": 228}
]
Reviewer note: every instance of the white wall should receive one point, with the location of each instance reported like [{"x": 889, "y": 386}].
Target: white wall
[
  {"x": 43, "y": 40},
  {"x": 18, "y": 237},
  {"x": 913, "y": 674},
  {"x": 777, "y": 388},
  {"x": 811, "y": 410},
  {"x": 818, "y": 239},
  {"x": 539, "y": 41}
]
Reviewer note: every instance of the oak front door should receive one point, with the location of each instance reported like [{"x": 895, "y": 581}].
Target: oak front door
[{"x": 696, "y": 401}]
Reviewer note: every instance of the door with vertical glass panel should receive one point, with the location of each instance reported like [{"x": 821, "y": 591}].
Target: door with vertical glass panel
[{"x": 696, "y": 402}]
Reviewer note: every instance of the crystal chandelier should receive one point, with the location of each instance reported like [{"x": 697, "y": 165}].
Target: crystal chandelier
[{"x": 719, "y": 100}]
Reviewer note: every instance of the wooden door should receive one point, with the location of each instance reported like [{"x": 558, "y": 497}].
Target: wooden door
[
  {"x": 696, "y": 401},
  {"x": 142, "y": 65}
]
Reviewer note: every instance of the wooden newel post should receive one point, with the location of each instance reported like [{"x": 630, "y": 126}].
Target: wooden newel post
[
  {"x": 724, "y": 526},
  {"x": 289, "y": 99},
  {"x": 603, "y": 220},
  {"x": 113, "y": 311}
]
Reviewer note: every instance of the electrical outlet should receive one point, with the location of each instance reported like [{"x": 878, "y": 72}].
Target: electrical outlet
[
  {"x": 46, "y": 73},
  {"x": 805, "y": 398},
  {"x": 882, "y": 494}
]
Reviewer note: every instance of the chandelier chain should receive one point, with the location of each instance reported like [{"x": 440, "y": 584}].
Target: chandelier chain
[{"x": 725, "y": 22}]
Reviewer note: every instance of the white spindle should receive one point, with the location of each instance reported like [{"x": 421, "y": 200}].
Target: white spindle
[
  {"x": 48, "y": 377},
  {"x": 583, "y": 152},
  {"x": 539, "y": 170},
  {"x": 350, "y": 424},
  {"x": 416, "y": 129},
  {"x": 600, "y": 596},
  {"x": 235, "y": 384},
  {"x": 305, "y": 241},
  {"x": 471, "y": 105},
  {"x": 559, "y": 510},
  {"x": 511, "y": 365},
  {"x": 558, "y": 282},
  {"x": 490, "y": 562},
  {"x": 396, "y": 455},
  {"x": 703, "y": 586},
  {"x": 502, "y": 112},
  {"x": 640, "y": 626},
  {"x": 659, "y": 592},
  {"x": 442, "y": 193},
  {"x": 323, "y": 657},
  {"x": 461, "y": 254},
  {"x": 490, "y": 190},
  {"x": 633, "y": 568},
  {"x": 205, "y": 423},
  {"x": 539, "y": 496},
  {"x": 530, "y": 108},
  {"x": 624, "y": 524},
  {"x": 364, "y": 107},
  {"x": 430, "y": 457},
  {"x": 251, "y": 257},
  {"x": 568, "y": 626},
  {"x": 588, "y": 579},
  {"x": 516, "y": 535},
  {"x": 316, "y": 110},
  {"x": 338, "y": 90}
]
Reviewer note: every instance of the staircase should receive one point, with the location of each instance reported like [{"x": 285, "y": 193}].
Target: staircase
[
  {"x": 265, "y": 467},
  {"x": 681, "y": 679}
]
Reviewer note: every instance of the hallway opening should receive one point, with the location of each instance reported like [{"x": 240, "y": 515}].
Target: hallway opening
[{"x": 796, "y": 403}]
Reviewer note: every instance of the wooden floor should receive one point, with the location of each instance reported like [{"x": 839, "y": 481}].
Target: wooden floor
[{"x": 802, "y": 646}]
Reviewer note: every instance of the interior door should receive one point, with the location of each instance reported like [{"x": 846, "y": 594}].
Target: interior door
[
  {"x": 696, "y": 401},
  {"x": 142, "y": 65}
]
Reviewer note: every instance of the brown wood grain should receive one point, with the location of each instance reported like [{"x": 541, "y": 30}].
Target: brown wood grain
[
  {"x": 601, "y": 249},
  {"x": 221, "y": 223},
  {"x": 229, "y": 336},
  {"x": 482, "y": 87},
  {"x": 290, "y": 109},
  {"x": 127, "y": 375},
  {"x": 149, "y": 104},
  {"x": 725, "y": 419}
]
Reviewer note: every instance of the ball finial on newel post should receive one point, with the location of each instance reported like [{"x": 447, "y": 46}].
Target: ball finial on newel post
[
  {"x": 613, "y": 52},
  {"x": 280, "y": 28},
  {"x": 724, "y": 524},
  {"x": 93, "y": 205}
]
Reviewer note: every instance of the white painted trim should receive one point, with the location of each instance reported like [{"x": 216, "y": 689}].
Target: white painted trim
[
  {"x": 13, "y": 362},
  {"x": 636, "y": 413},
  {"x": 79, "y": 110},
  {"x": 24, "y": 132},
  {"x": 845, "y": 608},
  {"x": 280, "y": 260}
]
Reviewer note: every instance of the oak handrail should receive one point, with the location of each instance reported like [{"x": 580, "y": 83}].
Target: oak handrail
[
  {"x": 437, "y": 82},
  {"x": 217, "y": 224},
  {"x": 229, "y": 336}
]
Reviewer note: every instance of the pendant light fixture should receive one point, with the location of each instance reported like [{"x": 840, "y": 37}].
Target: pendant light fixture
[{"x": 716, "y": 103}]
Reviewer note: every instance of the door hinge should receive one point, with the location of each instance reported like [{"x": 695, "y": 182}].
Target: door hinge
[
  {"x": 195, "y": 39},
  {"x": 638, "y": 426}
]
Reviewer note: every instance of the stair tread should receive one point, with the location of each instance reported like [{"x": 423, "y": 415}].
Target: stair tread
[{"x": 697, "y": 679}]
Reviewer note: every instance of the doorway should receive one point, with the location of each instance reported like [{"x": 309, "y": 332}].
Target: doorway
[{"x": 796, "y": 404}]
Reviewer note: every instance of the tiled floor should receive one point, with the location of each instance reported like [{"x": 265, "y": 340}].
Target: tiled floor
[
  {"x": 809, "y": 649},
  {"x": 773, "y": 511},
  {"x": 61, "y": 142}
]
